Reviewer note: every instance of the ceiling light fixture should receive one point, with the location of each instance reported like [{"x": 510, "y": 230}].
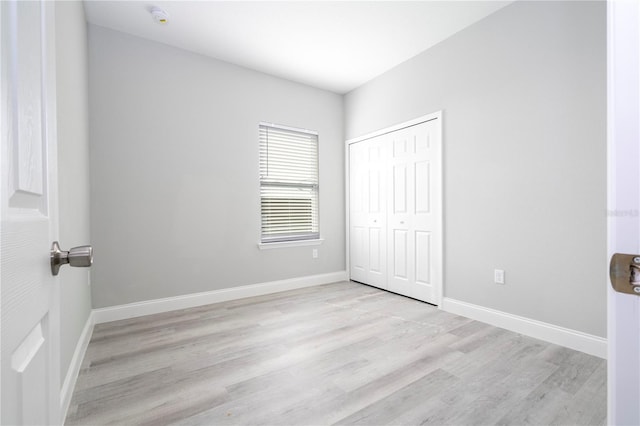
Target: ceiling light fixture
[{"x": 159, "y": 15}]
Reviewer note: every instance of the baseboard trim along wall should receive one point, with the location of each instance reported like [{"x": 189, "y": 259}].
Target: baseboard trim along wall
[
  {"x": 74, "y": 368},
  {"x": 138, "y": 309},
  {"x": 583, "y": 342}
]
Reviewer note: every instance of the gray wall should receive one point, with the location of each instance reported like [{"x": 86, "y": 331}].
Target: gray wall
[
  {"x": 73, "y": 169},
  {"x": 524, "y": 100},
  {"x": 174, "y": 166}
]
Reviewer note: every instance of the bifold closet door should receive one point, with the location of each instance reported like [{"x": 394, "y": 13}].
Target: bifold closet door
[
  {"x": 395, "y": 235},
  {"x": 414, "y": 253},
  {"x": 367, "y": 212}
]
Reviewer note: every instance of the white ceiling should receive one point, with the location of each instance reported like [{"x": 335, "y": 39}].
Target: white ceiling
[{"x": 334, "y": 45}]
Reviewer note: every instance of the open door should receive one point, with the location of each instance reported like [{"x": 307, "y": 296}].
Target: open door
[
  {"x": 623, "y": 310},
  {"x": 30, "y": 318}
]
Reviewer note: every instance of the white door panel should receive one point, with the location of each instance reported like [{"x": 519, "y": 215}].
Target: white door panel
[
  {"x": 423, "y": 253},
  {"x": 374, "y": 192},
  {"x": 357, "y": 251},
  {"x": 367, "y": 216},
  {"x": 399, "y": 246},
  {"x": 410, "y": 211},
  {"x": 422, "y": 182},
  {"x": 376, "y": 217},
  {"x": 399, "y": 189},
  {"x": 29, "y": 330},
  {"x": 377, "y": 259},
  {"x": 623, "y": 310}
]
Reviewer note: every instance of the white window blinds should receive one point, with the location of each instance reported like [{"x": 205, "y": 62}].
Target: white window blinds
[{"x": 288, "y": 183}]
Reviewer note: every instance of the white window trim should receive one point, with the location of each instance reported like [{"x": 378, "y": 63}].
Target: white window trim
[
  {"x": 301, "y": 242},
  {"x": 293, "y": 129},
  {"x": 287, "y": 244}
]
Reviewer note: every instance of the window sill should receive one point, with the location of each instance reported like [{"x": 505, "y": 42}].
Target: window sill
[{"x": 286, "y": 244}]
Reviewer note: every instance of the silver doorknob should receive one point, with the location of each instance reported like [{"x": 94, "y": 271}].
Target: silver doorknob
[{"x": 78, "y": 256}]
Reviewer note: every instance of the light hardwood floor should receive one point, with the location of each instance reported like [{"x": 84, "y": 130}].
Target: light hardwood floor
[{"x": 342, "y": 353}]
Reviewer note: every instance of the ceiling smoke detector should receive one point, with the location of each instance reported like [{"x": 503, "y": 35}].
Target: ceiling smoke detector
[{"x": 159, "y": 15}]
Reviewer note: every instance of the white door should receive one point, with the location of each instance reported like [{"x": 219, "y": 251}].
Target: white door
[
  {"x": 29, "y": 330},
  {"x": 414, "y": 234},
  {"x": 623, "y": 310},
  {"x": 367, "y": 215}
]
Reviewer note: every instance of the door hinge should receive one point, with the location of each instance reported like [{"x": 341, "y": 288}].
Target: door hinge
[{"x": 624, "y": 271}]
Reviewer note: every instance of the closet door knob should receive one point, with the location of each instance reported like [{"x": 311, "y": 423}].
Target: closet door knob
[{"x": 80, "y": 257}]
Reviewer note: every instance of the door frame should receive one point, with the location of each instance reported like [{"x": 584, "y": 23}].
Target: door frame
[{"x": 438, "y": 287}]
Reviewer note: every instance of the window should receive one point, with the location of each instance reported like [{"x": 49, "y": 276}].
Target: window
[{"x": 288, "y": 183}]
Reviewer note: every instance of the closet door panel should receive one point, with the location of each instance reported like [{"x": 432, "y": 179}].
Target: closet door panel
[
  {"x": 428, "y": 211},
  {"x": 411, "y": 211},
  {"x": 376, "y": 274},
  {"x": 358, "y": 230},
  {"x": 399, "y": 189},
  {"x": 427, "y": 221},
  {"x": 422, "y": 191},
  {"x": 422, "y": 218},
  {"x": 357, "y": 251},
  {"x": 423, "y": 256},
  {"x": 376, "y": 213},
  {"x": 401, "y": 201},
  {"x": 400, "y": 256},
  {"x": 367, "y": 218}
]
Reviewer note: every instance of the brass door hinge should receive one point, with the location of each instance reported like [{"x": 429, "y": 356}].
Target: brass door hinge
[{"x": 624, "y": 271}]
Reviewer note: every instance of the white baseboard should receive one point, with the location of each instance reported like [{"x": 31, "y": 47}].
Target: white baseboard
[
  {"x": 138, "y": 309},
  {"x": 583, "y": 342},
  {"x": 74, "y": 368}
]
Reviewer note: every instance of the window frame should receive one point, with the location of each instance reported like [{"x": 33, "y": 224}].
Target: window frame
[{"x": 312, "y": 238}]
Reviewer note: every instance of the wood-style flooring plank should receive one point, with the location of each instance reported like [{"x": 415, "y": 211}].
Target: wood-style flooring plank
[{"x": 341, "y": 353}]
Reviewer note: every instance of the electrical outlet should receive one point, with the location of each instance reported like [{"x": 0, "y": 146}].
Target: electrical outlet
[
  {"x": 498, "y": 276},
  {"x": 314, "y": 253}
]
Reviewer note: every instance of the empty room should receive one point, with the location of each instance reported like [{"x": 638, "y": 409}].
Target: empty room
[{"x": 320, "y": 212}]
